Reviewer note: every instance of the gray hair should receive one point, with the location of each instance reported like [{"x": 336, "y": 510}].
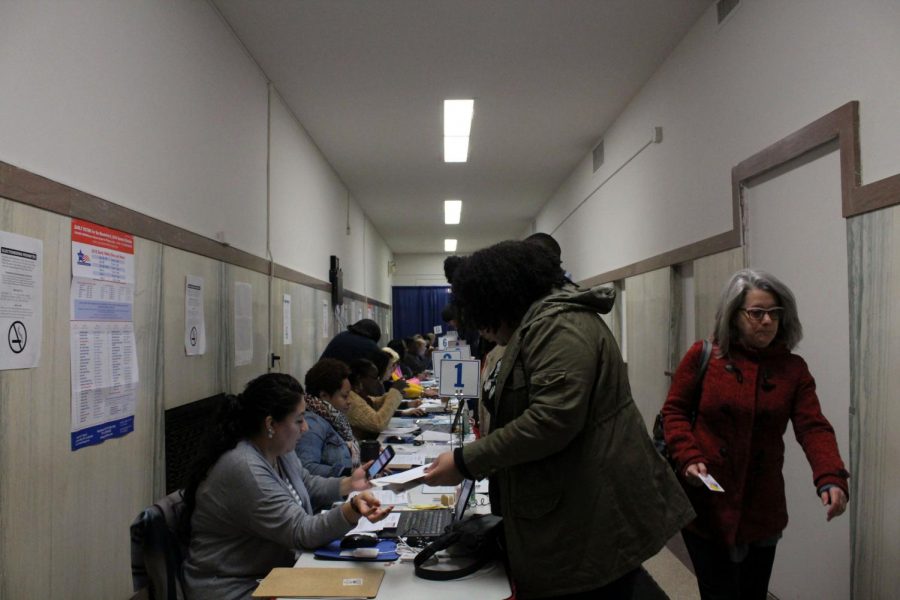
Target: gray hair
[{"x": 790, "y": 332}]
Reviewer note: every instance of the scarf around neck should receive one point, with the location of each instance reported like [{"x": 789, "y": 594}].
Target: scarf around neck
[{"x": 338, "y": 421}]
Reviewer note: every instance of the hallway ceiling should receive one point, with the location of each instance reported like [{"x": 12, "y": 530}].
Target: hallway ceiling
[{"x": 367, "y": 79}]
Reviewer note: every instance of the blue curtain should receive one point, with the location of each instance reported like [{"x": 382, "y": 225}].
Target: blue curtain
[{"x": 418, "y": 309}]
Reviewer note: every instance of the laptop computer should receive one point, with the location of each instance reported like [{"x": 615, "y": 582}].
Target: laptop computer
[{"x": 419, "y": 527}]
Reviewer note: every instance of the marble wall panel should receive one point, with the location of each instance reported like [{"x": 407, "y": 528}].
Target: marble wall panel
[
  {"x": 301, "y": 354},
  {"x": 64, "y": 515},
  {"x": 874, "y": 264},
  {"x": 239, "y": 376},
  {"x": 711, "y": 273},
  {"x": 191, "y": 378},
  {"x": 648, "y": 298}
]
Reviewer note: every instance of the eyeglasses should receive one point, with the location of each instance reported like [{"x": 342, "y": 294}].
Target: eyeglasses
[{"x": 757, "y": 314}]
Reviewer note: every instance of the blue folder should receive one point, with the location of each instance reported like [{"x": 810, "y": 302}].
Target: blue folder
[{"x": 387, "y": 551}]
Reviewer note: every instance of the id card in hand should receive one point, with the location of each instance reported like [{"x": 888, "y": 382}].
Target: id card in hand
[{"x": 711, "y": 483}]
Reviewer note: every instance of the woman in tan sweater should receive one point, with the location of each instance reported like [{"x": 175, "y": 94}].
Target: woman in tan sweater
[{"x": 370, "y": 408}]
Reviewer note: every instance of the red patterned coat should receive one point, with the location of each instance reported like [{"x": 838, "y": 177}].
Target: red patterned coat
[{"x": 747, "y": 400}]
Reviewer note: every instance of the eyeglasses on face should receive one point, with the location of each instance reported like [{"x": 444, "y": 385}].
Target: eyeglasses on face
[{"x": 757, "y": 314}]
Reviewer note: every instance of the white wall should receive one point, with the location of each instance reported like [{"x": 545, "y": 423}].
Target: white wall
[
  {"x": 151, "y": 105},
  {"x": 155, "y": 106},
  {"x": 309, "y": 212},
  {"x": 725, "y": 93},
  {"x": 420, "y": 269}
]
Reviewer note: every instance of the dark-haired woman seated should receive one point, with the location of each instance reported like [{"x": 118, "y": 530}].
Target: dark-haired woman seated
[
  {"x": 329, "y": 448},
  {"x": 250, "y": 503}
]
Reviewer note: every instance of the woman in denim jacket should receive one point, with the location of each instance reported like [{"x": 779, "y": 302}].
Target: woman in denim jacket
[{"x": 329, "y": 448}]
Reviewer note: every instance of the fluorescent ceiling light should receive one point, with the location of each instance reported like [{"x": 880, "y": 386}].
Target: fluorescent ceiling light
[
  {"x": 457, "y": 127},
  {"x": 456, "y": 149},
  {"x": 452, "y": 211},
  {"x": 458, "y": 117},
  {"x": 449, "y": 245}
]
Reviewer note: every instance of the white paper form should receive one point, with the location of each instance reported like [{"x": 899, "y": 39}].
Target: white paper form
[
  {"x": 326, "y": 318},
  {"x": 364, "y": 525},
  {"x": 409, "y": 459},
  {"x": 95, "y": 300},
  {"x": 243, "y": 323},
  {"x": 386, "y": 496},
  {"x": 287, "y": 335},
  {"x": 103, "y": 356},
  {"x": 403, "y": 478},
  {"x": 21, "y": 300},
  {"x": 194, "y": 320},
  {"x": 104, "y": 380}
]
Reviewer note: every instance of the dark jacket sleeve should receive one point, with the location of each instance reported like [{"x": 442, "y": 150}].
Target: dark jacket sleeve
[{"x": 560, "y": 385}]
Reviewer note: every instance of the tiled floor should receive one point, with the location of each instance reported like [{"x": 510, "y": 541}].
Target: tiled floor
[{"x": 672, "y": 576}]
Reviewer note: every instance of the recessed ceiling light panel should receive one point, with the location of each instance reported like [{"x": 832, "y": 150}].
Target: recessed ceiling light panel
[
  {"x": 452, "y": 211},
  {"x": 449, "y": 245},
  {"x": 457, "y": 127}
]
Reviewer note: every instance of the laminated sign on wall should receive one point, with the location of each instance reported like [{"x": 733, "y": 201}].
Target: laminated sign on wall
[
  {"x": 102, "y": 348},
  {"x": 21, "y": 288}
]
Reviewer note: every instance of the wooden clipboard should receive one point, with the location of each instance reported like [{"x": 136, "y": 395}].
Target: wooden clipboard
[{"x": 308, "y": 582}]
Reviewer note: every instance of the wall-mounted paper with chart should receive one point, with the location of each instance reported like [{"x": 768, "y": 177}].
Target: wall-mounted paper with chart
[{"x": 461, "y": 377}]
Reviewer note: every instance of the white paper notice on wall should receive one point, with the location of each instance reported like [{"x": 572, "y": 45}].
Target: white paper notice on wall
[
  {"x": 370, "y": 311},
  {"x": 359, "y": 313},
  {"x": 243, "y": 323},
  {"x": 21, "y": 304},
  {"x": 326, "y": 317},
  {"x": 194, "y": 320},
  {"x": 104, "y": 373},
  {"x": 287, "y": 334}
]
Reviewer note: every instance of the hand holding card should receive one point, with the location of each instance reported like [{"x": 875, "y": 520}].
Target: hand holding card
[{"x": 710, "y": 482}]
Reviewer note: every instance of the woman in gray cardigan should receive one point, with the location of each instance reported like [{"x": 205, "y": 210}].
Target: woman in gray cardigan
[{"x": 250, "y": 502}]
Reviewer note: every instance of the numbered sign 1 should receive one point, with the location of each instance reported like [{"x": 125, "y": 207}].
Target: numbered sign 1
[{"x": 461, "y": 377}]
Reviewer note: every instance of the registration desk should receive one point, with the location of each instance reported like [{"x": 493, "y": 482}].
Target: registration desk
[{"x": 400, "y": 582}]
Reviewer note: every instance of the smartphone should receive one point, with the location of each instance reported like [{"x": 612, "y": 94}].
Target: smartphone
[{"x": 381, "y": 462}]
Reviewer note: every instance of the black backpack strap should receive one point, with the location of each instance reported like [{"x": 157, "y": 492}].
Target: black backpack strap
[
  {"x": 705, "y": 355},
  {"x": 442, "y": 543}
]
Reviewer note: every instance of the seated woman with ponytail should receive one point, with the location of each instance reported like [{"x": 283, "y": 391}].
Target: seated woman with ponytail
[{"x": 249, "y": 501}]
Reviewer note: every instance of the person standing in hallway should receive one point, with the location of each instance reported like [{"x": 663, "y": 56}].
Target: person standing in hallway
[
  {"x": 731, "y": 425},
  {"x": 585, "y": 497}
]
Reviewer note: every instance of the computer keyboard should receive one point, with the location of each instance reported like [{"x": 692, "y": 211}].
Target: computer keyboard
[{"x": 422, "y": 523}]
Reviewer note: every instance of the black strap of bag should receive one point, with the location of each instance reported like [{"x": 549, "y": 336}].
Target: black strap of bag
[
  {"x": 476, "y": 538},
  {"x": 659, "y": 438}
]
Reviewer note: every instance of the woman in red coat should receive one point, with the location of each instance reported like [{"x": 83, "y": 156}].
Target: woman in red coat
[{"x": 752, "y": 387}]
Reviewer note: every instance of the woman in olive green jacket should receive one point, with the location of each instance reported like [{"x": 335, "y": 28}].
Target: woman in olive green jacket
[{"x": 585, "y": 497}]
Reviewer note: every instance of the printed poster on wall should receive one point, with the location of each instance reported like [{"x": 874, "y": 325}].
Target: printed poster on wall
[
  {"x": 194, "y": 321},
  {"x": 103, "y": 354},
  {"x": 288, "y": 336},
  {"x": 21, "y": 305}
]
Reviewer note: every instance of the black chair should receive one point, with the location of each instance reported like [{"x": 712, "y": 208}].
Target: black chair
[{"x": 158, "y": 549}]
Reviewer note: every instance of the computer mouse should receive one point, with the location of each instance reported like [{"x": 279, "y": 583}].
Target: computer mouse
[{"x": 359, "y": 540}]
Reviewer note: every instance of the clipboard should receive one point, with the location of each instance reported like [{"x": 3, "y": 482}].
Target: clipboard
[{"x": 309, "y": 582}]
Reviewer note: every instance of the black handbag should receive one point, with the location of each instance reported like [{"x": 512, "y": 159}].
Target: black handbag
[
  {"x": 475, "y": 541},
  {"x": 659, "y": 438}
]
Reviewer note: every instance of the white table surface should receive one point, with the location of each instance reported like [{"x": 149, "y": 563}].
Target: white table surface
[{"x": 401, "y": 583}]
